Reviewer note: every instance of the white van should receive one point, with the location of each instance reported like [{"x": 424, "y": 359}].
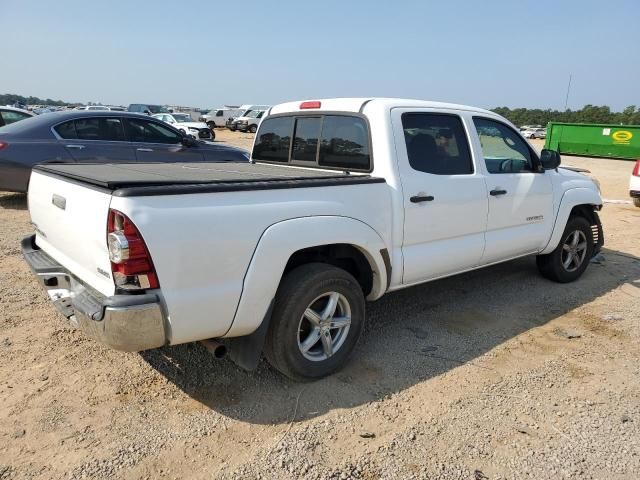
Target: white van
[{"x": 218, "y": 116}]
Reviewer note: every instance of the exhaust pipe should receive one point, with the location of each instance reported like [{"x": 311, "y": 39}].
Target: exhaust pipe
[{"x": 217, "y": 349}]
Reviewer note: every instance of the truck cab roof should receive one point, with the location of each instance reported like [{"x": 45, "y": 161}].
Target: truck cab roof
[{"x": 358, "y": 105}]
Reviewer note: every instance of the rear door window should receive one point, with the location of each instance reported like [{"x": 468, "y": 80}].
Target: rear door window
[
  {"x": 100, "y": 128},
  {"x": 437, "y": 144},
  {"x": 150, "y": 132},
  {"x": 66, "y": 130}
]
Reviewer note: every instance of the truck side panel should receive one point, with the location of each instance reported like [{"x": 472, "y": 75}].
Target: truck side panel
[{"x": 202, "y": 244}]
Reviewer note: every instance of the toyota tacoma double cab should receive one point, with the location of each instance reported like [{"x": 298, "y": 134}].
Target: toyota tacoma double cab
[{"x": 344, "y": 200}]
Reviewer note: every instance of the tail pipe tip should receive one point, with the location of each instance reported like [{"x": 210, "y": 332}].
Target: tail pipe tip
[{"x": 217, "y": 349}]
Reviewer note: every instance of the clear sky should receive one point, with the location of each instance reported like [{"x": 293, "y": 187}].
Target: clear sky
[{"x": 207, "y": 53}]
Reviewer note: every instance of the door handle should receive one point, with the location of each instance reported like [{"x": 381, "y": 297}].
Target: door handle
[
  {"x": 497, "y": 192},
  {"x": 76, "y": 147},
  {"x": 421, "y": 198},
  {"x": 144, "y": 149}
]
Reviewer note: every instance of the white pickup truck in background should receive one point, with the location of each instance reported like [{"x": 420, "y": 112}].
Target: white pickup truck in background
[{"x": 343, "y": 201}]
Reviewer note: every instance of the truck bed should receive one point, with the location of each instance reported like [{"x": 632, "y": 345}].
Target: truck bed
[{"x": 148, "y": 179}]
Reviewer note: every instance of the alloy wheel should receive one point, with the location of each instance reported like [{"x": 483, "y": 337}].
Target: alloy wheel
[{"x": 324, "y": 326}]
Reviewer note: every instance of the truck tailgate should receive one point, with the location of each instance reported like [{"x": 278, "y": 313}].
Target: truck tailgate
[{"x": 71, "y": 226}]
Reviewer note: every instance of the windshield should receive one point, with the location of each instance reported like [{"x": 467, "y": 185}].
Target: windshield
[
  {"x": 182, "y": 117},
  {"x": 157, "y": 109},
  {"x": 253, "y": 114}
]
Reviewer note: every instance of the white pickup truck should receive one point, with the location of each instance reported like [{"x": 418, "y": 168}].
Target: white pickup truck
[{"x": 343, "y": 201}]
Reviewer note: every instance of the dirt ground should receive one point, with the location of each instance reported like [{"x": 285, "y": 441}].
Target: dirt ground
[{"x": 493, "y": 374}]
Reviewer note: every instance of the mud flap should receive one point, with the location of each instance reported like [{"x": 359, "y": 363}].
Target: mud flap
[{"x": 246, "y": 351}]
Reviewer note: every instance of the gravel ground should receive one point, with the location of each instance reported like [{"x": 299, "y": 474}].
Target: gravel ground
[{"x": 494, "y": 374}]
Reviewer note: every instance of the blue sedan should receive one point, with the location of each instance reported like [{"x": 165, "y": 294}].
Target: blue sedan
[{"x": 98, "y": 137}]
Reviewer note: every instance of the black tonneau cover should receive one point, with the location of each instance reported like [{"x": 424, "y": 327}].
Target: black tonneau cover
[{"x": 142, "y": 179}]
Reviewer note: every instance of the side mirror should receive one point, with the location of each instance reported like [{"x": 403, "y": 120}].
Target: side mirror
[
  {"x": 550, "y": 159},
  {"x": 188, "y": 141}
]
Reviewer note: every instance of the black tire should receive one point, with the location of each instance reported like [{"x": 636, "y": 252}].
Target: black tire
[
  {"x": 552, "y": 266},
  {"x": 298, "y": 291},
  {"x": 636, "y": 202},
  {"x": 253, "y": 128},
  {"x": 211, "y": 124}
]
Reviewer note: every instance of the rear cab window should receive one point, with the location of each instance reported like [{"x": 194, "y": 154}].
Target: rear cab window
[{"x": 330, "y": 141}]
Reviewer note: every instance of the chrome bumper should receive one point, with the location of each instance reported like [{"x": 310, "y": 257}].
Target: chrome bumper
[{"x": 125, "y": 322}]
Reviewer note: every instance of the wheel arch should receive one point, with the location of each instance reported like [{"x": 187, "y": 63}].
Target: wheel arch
[
  {"x": 576, "y": 201},
  {"x": 344, "y": 242}
]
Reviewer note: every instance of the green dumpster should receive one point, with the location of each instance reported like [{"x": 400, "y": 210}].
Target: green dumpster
[{"x": 594, "y": 140}]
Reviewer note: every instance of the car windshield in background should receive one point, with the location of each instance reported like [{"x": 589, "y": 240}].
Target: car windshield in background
[
  {"x": 253, "y": 114},
  {"x": 181, "y": 118},
  {"x": 157, "y": 109}
]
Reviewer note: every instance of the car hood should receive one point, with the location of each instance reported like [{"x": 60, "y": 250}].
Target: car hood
[
  {"x": 569, "y": 171},
  {"x": 190, "y": 125}
]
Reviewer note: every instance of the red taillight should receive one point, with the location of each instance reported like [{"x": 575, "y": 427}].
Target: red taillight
[
  {"x": 3, "y": 144},
  {"x": 130, "y": 260},
  {"x": 636, "y": 169},
  {"x": 305, "y": 105}
]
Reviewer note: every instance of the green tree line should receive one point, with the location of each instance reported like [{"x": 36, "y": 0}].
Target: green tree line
[
  {"x": 11, "y": 98},
  {"x": 518, "y": 116},
  {"x": 587, "y": 114}
]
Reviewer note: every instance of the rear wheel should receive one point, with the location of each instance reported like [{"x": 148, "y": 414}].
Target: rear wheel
[
  {"x": 636, "y": 202},
  {"x": 571, "y": 257},
  {"x": 211, "y": 124},
  {"x": 318, "y": 317}
]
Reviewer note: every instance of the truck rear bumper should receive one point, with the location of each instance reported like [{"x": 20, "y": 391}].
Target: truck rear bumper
[{"x": 124, "y": 322}]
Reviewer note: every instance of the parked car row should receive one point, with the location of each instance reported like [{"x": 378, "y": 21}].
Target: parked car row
[
  {"x": 248, "y": 122},
  {"x": 225, "y": 116}
]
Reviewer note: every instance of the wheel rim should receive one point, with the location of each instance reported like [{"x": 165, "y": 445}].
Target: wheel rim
[
  {"x": 574, "y": 250},
  {"x": 324, "y": 326}
]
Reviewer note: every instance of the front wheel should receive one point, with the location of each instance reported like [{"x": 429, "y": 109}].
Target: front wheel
[
  {"x": 317, "y": 319},
  {"x": 636, "y": 202},
  {"x": 571, "y": 257},
  {"x": 253, "y": 128}
]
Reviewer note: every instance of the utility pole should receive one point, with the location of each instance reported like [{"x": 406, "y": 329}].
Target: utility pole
[{"x": 566, "y": 100}]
